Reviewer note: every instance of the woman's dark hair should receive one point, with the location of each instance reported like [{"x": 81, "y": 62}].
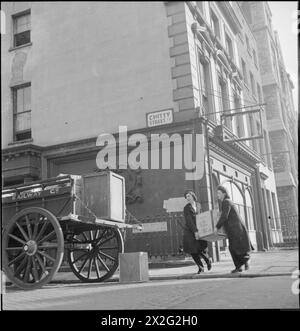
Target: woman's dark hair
[
  {"x": 191, "y": 193},
  {"x": 223, "y": 190}
]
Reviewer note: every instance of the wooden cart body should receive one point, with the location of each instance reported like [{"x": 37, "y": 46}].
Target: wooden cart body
[{"x": 45, "y": 220}]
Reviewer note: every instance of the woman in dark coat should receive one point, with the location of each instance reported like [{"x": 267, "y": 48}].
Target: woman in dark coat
[
  {"x": 239, "y": 242},
  {"x": 191, "y": 243}
]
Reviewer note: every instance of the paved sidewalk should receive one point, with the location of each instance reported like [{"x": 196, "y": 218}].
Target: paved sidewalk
[{"x": 277, "y": 262}]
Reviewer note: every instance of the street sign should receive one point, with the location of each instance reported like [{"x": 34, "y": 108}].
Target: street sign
[{"x": 160, "y": 117}]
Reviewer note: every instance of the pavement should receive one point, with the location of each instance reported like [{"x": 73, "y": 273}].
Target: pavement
[{"x": 275, "y": 262}]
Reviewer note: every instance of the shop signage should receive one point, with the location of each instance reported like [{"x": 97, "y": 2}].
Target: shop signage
[{"x": 160, "y": 117}]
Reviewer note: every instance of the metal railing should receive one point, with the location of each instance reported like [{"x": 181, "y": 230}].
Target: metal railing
[
  {"x": 290, "y": 229},
  {"x": 162, "y": 236}
]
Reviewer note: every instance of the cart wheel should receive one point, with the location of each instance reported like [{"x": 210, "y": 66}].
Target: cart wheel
[
  {"x": 94, "y": 254},
  {"x": 33, "y": 248}
]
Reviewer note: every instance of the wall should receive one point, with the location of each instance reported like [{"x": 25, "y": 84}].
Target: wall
[{"x": 89, "y": 64}]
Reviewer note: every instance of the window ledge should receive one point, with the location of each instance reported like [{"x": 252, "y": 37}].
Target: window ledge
[
  {"x": 18, "y": 47},
  {"x": 21, "y": 142}
]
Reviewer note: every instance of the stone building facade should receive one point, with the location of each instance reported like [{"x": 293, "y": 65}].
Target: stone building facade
[
  {"x": 64, "y": 83},
  {"x": 281, "y": 115}
]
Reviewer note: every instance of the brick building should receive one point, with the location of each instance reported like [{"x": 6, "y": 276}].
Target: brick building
[
  {"x": 282, "y": 118},
  {"x": 64, "y": 83}
]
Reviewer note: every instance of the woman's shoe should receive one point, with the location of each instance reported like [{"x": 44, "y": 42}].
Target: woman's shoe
[
  {"x": 236, "y": 270},
  {"x": 209, "y": 265},
  {"x": 201, "y": 269},
  {"x": 246, "y": 266}
]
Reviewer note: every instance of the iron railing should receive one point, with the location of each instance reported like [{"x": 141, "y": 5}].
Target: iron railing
[
  {"x": 164, "y": 240},
  {"x": 290, "y": 228}
]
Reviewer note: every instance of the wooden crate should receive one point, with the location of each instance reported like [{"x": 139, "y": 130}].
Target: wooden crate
[
  {"x": 206, "y": 223},
  {"x": 104, "y": 194},
  {"x": 133, "y": 267}
]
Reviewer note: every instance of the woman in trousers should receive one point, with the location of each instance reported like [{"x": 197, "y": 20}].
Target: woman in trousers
[
  {"x": 239, "y": 242},
  {"x": 191, "y": 243}
]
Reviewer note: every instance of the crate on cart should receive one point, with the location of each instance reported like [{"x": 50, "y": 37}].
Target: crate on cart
[{"x": 80, "y": 216}]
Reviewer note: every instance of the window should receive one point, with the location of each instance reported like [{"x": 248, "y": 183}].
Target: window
[
  {"x": 267, "y": 149},
  {"x": 257, "y": 141},
  {"x": 215, "y": 24},
  {"x": 223, "y": 101},
  {"x": 252, "y": 131},
  {"x": 207, "y": 96},
  {"x": 244, "y": 72},
  {"x": 22, "y": 112},
  {"x": 229, "y": 47},
  {"x": 262, "y": 144},
  {"x": 238, "y": 118},
  {"x": 204, "y": 86},
  {"x": 21, "y": 27}
]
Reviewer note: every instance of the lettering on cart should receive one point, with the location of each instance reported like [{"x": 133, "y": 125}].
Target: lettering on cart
[
  {"x": 32, "y": 194},
  {"x": 118, "y": 321}
]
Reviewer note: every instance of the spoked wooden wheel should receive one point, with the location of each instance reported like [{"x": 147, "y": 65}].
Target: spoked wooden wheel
[
  {"x": 33, "y": 247},
  {"x": 93, "y": 254}
]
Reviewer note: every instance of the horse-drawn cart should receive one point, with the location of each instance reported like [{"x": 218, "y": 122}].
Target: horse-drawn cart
[{"x": 79, "y": 216}]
